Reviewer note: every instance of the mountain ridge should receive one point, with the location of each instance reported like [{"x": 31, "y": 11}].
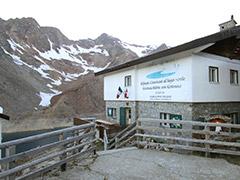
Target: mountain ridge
[{"x": 39, "y": 63}]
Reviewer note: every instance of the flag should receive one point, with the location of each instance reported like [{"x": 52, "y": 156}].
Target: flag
[
  {"x": 126, "y": 94},
  {"x": 119, "y": 92}
]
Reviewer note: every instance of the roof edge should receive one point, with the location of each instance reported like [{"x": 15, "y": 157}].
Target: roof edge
[{"x": 182, "y": 47}]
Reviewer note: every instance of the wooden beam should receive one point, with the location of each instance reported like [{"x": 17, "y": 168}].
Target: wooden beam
[
  {"x": 123, "y": 131},
  {"x": 193, "y": 123},
  {"x": 40, "y": 171},
  {"x": 45, "y": 135},
  {"x": 37, "y": 150},
  {"x": 190, "y": 140},
  {"x": 176, "y": 130},
  {"x": 40, "y": 160},
  {"x": 9, "y": 152},
  {"x": 121, "y": 138},
  {"x": 191, "y": 148},
  {"x": 126, "y": 141}
]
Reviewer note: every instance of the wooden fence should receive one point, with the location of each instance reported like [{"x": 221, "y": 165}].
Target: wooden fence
[
  {"x": 123, "y": 137},
  {"x": 205, "y": 137},
  {"x": 73, "y": 142}
]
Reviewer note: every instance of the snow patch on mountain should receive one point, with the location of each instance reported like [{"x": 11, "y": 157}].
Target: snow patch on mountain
[
  {"x": 57, "y": 82},
  {"x": 46, "y": 98},
  {"x": 95, "y": 49},
  {"x": 41, "y": 70},
  {"x": 96, "y": 69},
  {"x": 39, "y": 59},
  {"x": 16, "y": 59},
  {"x": 138, "y": 49},
  {"x": 60, "y": 55},
  {"x": 80, "y": 50},
  {"x": 70, "y": 53},
  {"x": 15, "y": 46}
]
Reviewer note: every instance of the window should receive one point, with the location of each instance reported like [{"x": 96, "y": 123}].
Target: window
[
  {"x": 213, "y": 74},
  {"x": 168, "y": 116},
  {"x": 164, "y": 116},
  {"x": 234, "y": 117},
  {"x": 127, "y": 81},
  {"x": 112, "y": 112},
  {"x": 233, "y": 77}
]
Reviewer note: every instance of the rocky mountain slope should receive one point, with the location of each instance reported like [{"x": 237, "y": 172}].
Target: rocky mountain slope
[{"x": 43, "y": 73}]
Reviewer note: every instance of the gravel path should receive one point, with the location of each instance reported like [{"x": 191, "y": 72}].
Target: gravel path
[{"x": 134, "y": 164}]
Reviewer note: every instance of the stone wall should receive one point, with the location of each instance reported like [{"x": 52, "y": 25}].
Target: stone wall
[
  {"x": 189, "y": 111},
  {"x": 152, "y": 109},
  {"x": 117, "y": 105},
  {"x": 205, "y": 109},
  {"x": 147, "y": 109}
]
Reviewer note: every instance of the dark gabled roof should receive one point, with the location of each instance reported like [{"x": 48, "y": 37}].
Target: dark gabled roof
[{"x": 213, "y": 38}]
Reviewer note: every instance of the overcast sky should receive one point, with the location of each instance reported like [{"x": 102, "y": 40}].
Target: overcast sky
[{"x": 136, "y": 21}]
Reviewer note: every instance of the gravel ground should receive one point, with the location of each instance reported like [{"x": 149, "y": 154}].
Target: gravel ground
[{"x": 136, "y": 164}]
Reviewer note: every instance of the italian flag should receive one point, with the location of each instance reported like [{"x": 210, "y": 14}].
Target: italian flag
[
  {"x": 119, "y": 92},
  {"x": 126, "y": 94}
]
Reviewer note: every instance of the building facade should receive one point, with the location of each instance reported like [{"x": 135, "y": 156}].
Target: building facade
[{"x": 191, "y": 82}]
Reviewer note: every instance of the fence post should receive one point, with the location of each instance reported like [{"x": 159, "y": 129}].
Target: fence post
[
  {"x": 10, "y": 151},
  {"x": 207, "y": 136},
  {"x": 105, "y": 139},
  {"x": 116, "y": 142},
  {"x": 63, "y": 167},
  {"x": 94, "y": 129},
  {"x": 138, "y": 132},
  {"x": 75, "y": 143}
]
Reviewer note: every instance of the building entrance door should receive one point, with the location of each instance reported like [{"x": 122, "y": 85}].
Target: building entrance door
[
  {"x": 122, "y": 117},
  {"x": 125, "y": 116}
]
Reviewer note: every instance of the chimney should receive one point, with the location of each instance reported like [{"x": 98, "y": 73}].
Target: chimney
[{"x": 228, "y": 25}]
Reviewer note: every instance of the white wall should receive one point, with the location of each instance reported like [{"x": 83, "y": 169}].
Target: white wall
[
  {"x": 188, "y": 81},
  {"x": 203, "y": 90},
  {"x": 173, "y": 84},
  {"x": 112, "y": 82}
]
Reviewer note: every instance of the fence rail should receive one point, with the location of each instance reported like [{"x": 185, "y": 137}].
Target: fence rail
[
  {"x": 191, "y": 135},
  {"x": 190, "y": 122},
  {"x": 123, "y": 137},
  {"x": 72, "y": 142}
]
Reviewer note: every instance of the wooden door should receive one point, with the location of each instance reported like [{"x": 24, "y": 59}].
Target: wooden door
[{"x": 122, "y": 117}]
